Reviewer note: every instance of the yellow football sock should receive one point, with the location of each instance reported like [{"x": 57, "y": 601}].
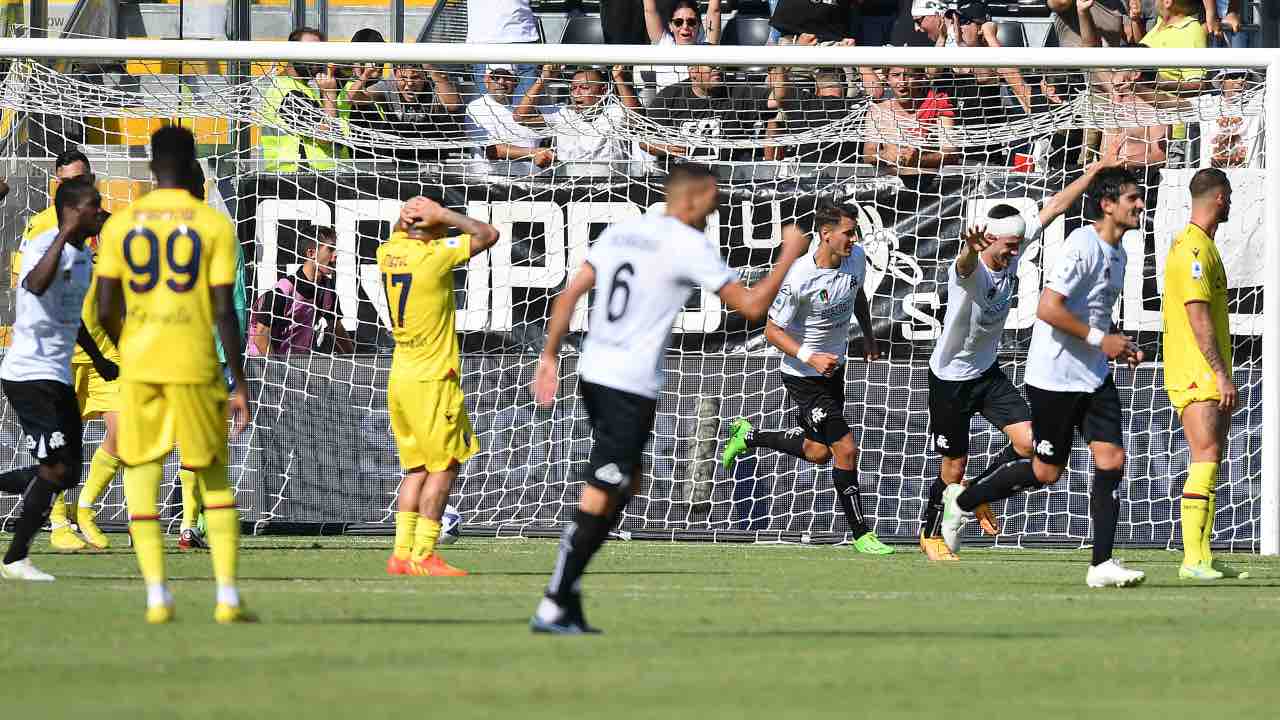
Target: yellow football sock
[
  {"x": 141, "y": 489},
  {"x": 406, "y": 529},
  {"x": 102, "y": 469},
  {"x": 58, "y": 513},
  {"x": 223, "y": 522},
  {"x": 424, "y": 539},
  {"x": 1195, "y": 510},
  {"x": 190, "y": 498},
  {"x": 1206, "y": 551}
]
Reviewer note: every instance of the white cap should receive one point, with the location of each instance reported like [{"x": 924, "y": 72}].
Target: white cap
[
  {"x": 925, "y": 8},
  {"x": 496, "y": 68}
]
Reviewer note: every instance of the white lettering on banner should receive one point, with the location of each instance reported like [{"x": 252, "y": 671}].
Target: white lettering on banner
[
  {"x": 506, "y": 276},
  {"x": 270, "y": 213},
  {"x": 348, "y": 270},
  {"x": 911, "y": 304}
]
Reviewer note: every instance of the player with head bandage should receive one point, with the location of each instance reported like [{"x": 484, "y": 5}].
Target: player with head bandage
[{"x": 964, "y": 374}]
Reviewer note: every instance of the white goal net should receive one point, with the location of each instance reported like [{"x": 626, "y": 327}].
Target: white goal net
[{"x": 920, "y": 153}]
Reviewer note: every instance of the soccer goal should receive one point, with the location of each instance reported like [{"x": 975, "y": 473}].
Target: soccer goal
[{"x": 920, "y": 142}]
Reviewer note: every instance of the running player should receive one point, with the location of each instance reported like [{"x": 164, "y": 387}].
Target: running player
[
  {"x": 36, "y": 372},
  {"x": 964, "y": 373},
  {"x": 1068, "y": 380},
  {"x": 809, "y": 324},
  {"x": 164, "y": 279},
  {"x": 1197, "y": 364},
  {"x": 424, "y": 392},
  {"x": 642, "y": 272}
]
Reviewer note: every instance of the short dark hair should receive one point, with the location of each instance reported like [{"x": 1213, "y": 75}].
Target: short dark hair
[
  {"x": 691, "y": 4},
  {"x": 71, "y": 157},
  {"x": 73, "y": 192},
  {"x": 1107, "y": 185},
  {"x": 298, "y": 32},
  {"x": 591, "y": 70},
  {"x": 319, "y": 235},
  {"x": 829, "y": 214},
  {"x": 1208, "y": 180},
  {"x": 367, "y": 35},
  {"x": 195, "y": 181},
  {"x": 173, "y": 152},
  {"x": 1002, "y": 211},
  {"x": 682, "y": 173}
]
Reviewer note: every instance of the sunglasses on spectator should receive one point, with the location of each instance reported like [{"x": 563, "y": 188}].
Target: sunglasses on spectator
[{"x": 682, "y": 22}]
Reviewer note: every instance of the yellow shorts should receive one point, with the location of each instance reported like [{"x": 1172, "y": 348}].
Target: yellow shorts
[
  {"x": 154, "y": 418},
  {"x": 430, "y": 423},
  {"x": 1201, "y": 390},
  {"x": 95, "y": 395}
]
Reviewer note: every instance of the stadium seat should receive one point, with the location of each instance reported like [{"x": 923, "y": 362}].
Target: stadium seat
[
  {"x": 1010, "y": 34},
  {"x": 747, "y": 31},
  {"x": 1051, "y": 40},
  {"x": 583, "y": 30}
]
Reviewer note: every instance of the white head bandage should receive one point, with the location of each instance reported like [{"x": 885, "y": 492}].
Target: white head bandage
[{"x": 1004, "y": 227}]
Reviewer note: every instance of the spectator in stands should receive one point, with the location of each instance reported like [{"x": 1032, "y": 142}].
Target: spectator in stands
[
  {"x": 684, "y": 26},
  {"x": 977, "y": 90},
  {"x": 353, "y": 108},
  {"x": 504, "y": 22},
  {"x": 419, "y": 102},
  {"x": 492, "y": 124},
  {"x": 917, "y": 115},
  {"x": 588, "y": 128},
  {"x": 1233, "y": 139},
  {"x": 623, "y": 21},
  {"x": 810, "y": 111},
  {"x": 1138, "y": 147},
  {"x": 1114, "y": 26},
  {"x": 299, "y": 314},
  {"x": 924, "y": 27},
  {"x": 1224, "y": 25},
  {"x": 1177, "y": 29},
  {"x": 827, "y": 21},
  {"x": 299, "y": 107},
  {"x": 704, "y": 107}
]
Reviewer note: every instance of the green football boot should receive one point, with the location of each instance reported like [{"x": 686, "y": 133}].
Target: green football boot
[
  {"x": 1202, "y": 571},
  {"x": 869, "y": 544},
  {"x": 737, "y": 444}
]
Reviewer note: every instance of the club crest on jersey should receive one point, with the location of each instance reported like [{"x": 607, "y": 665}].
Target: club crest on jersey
[
  {"x": 823, "y": 296},
  {"x": 1197, "y": 271}
]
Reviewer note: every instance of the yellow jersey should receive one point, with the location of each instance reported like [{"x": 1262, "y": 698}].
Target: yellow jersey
[
  {"x": 417, "y": 278},
  {"x": 1186, "y": 33},
  {"x": 1193, "y": 272},
  {"x": 168, "y": 249}
]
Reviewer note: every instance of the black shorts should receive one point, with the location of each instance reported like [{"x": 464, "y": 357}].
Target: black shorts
[
  {"x": 819, "y": 405},
  {"x": 49, "y": 415},
  {"x": 621, "y": 423},
  {"x": 1056, "y": 415},
  {"x": 953, "y": 402}
]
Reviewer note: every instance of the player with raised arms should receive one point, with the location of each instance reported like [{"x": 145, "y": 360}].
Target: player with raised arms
[
  {"x": 166, "y": 276},
  {"x": 642, "y": 272},
  {"x": 424, "y": 391},
  {"x": 1068, "y": 378},
  {"x": 809, "y": 323},
  {"x": 53, "y": 281},
  {"x": 965, "y": 377},
  {"x": 1197, "y": 364}
]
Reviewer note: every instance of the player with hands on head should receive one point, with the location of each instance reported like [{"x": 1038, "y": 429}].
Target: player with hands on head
[
  {"x": 642, "y": 272},
  {"x": 1068, "y": 377},
  {"x": 424, "y": 392},
  {"x": 810, "y": 323},
  {"x": 965, "y": 377}
]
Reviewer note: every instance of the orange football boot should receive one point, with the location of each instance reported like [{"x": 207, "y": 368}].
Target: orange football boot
[
  {"x": 987, "y": 520},
  {"x": 396, "y": 566},
  {"x": 434, "y": 566},
  {"x": 935, "y": 548}
]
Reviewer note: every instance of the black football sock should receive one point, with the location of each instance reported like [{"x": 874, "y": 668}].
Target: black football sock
[
  {"x": 579, "y": 542},
  {"x": 36, "y": 505},
  {"x": 17, "y": 481},
  {"x": 1104, "y": 510},
  {"x": 931, "y": 518},
  {"x": 1005, "y": 457},
  {"x": 615, "y": 519},
  {"x": 1007, "y": 481},
  {"x": 846, "y": 482},
  {"x": 790, "y": 442}
]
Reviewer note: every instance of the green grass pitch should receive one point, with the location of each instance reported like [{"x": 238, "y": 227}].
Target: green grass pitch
[{"x": 693, "y": 631}]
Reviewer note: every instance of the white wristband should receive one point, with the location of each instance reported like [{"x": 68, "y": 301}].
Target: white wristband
[
  {"x": 803, "y": 354},
  {"x": 1095, "y": 337}
]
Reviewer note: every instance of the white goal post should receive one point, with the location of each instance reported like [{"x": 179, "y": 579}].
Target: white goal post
[{"x": 330, "y": 405}]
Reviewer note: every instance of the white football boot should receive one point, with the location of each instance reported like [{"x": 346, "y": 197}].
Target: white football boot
[
  {"x": 953, "y": 518},
  {"x": 1113, "y": 573},
  {"x": 24, "y": 570}
]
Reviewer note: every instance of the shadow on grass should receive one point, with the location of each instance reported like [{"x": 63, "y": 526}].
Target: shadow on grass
[
  {"x": 876, "y": 634},
  {"x": 401, "y": 621},
  {"x": 624, "y": 573}
]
